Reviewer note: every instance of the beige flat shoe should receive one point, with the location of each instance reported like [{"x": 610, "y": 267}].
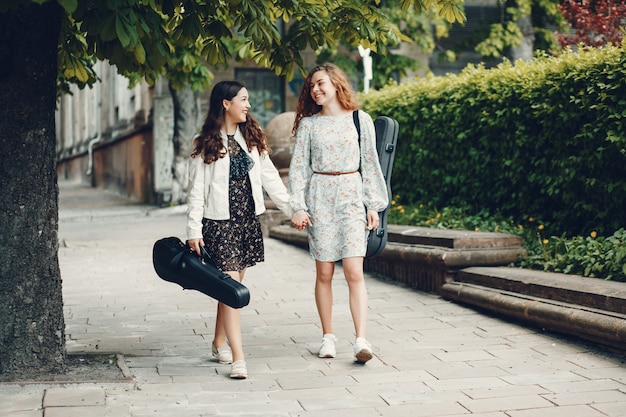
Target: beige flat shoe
[
  {"x": 222, "y": 354},
  {"x": 238, "y": 370}
]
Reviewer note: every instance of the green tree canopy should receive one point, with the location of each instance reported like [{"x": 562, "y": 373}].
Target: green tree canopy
[
  {"x": 45, "y": 45},
  {"x": 152, "y": 38}
]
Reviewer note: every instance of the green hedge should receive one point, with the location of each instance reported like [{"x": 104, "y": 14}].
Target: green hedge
[{"x": 543, "y": 138}]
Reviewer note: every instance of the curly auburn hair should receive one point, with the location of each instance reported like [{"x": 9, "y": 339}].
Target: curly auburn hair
[
  {"x": 209, "y": 144},
  {"x": 345, "y": 94}
]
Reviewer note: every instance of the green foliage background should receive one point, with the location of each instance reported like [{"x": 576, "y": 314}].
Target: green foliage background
[{"x": 543, "y": 138}]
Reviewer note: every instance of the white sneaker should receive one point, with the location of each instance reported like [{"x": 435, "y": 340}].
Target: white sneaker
[
  {"x": 222, "y": 354},
  {"x": 362, "y": 350},
  {"x": 327, "y": 348}
]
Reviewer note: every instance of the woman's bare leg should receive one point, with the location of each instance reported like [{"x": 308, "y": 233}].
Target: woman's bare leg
[
  {"x": 219, "y": 336},
  {"x": 231, "y": 322},
  {"x": 324, "y": 294},
  {"x": 353, "y": 271}
]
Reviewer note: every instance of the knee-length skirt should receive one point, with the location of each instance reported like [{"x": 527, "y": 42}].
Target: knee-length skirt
[{"x": 338, "y": 216}]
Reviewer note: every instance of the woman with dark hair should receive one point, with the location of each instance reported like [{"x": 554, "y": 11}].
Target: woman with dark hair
[
  {"x": 229, "y": 169},
  {"x": 336, "y": 190}
]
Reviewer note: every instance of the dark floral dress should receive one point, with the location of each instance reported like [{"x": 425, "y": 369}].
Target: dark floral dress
[{"x": 237, "y": 243}]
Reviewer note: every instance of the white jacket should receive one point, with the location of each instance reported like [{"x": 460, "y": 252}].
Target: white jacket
[{"x": 208, "y": 187}]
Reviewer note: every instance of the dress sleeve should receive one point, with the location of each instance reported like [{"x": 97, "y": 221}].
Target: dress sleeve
[
  {"x": 375, "y": 194},
  {"x": 300, "y": 167}
]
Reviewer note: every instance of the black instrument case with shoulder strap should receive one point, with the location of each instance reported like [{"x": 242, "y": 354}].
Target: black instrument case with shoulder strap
[
  {"x": 175, "y": 262},
  {"x": 386, "y": 140}
]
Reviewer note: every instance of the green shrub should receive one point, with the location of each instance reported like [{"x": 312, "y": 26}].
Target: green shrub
[
  {"x": 591, "y": 256},
  {"x": 541, "y": 137}
]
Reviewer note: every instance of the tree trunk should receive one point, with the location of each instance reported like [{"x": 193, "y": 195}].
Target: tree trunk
[
  {"x": 186, "y": 120},
  {"x": 526, "y": 49},
  {"x": 32, "y": 329}
]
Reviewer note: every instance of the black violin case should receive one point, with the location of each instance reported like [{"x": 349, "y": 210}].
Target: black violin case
[
  {"x": 175, "y": 262},
  {"x": 386, "y": 140}
]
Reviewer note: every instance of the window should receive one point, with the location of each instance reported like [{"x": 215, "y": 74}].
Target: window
[{"x": 267, "y": 93}]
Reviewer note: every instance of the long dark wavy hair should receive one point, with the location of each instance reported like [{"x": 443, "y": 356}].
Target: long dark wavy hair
[
  {"x": 345, "y": 93},
  {"x": 209, "y": 144}
]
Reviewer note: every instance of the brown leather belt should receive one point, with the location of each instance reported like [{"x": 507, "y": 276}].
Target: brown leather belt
[{"x": 335, "y": 173}]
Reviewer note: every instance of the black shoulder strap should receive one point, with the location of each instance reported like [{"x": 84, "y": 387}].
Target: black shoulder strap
[{"x": 357, "y": 124}]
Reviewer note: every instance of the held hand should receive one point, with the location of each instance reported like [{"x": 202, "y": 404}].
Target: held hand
[
  {"x": 301, "y": 219},
  {"x": 372, "y": 220},
  {"x": 195, "y": 244}
]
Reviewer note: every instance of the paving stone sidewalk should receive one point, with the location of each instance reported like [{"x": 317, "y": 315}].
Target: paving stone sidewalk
[{"x": 432, "y": 357}]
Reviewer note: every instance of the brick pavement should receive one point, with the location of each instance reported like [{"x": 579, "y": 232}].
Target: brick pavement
[{"x": 432, "y": 357}]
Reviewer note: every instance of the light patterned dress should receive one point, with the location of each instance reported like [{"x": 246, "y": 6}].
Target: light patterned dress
[{"x": 337, "y": 203}]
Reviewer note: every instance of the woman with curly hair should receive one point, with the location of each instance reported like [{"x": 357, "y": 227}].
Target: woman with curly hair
[
  {"x": 336, "y": 190},
  {"x": 229, "y": 169}
]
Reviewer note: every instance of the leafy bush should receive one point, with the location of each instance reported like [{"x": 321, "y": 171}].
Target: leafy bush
[
  {"x": 591, "y": 256},
  {"x": 541, "y": 137}
]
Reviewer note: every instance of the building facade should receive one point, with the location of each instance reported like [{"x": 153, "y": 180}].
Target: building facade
[{"x": 118, "y": 137}]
